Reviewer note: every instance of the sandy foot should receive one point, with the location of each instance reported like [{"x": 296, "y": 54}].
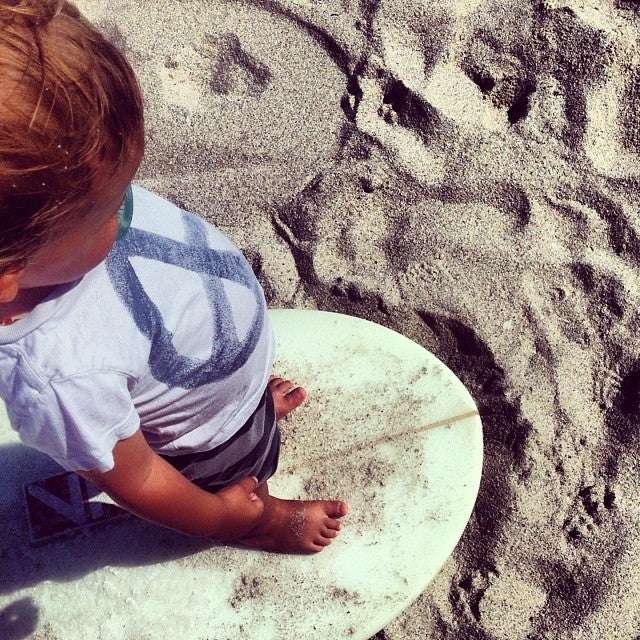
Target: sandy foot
[
  {"x": 286, "y": 395},
  {"x": 295, "y": 526}
]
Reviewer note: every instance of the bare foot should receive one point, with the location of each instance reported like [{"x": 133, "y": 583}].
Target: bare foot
[
  {"x": 286, "y": 395},
  {"x": 295, "y": 526}
]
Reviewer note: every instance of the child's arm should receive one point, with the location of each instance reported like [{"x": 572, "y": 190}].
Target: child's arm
[{"x": 148, "y": 486}]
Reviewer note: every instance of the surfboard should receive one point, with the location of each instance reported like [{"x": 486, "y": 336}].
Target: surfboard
[{"x": 386, "y": 427}]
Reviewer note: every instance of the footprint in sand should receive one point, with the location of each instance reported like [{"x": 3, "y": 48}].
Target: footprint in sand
[
  {"x": 239, "y": 99},
  {"x": 235, "y": 71},
  {"x": 591, "y": 507}
]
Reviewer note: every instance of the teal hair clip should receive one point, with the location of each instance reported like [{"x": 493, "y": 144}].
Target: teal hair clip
[{"x": 125, "y": 214}]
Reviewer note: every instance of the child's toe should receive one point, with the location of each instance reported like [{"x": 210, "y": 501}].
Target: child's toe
[
  {"x": 294, "y": 398},
  {"x": 337, "y": 509}
]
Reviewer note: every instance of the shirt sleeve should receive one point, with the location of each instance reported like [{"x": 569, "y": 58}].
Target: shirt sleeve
[{"x": 78, "y": 420}]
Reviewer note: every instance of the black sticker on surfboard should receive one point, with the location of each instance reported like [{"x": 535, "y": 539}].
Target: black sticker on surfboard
[{"x": 65, "y": 504}]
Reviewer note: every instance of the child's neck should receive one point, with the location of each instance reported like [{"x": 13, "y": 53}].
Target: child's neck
[{"x": 22, "y": 304}]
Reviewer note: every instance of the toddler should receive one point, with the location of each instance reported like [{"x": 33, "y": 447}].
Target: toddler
[{"x": 135, "y": 347}]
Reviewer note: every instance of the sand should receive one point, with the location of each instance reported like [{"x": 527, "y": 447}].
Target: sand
[{"x": 465, "y": 173}]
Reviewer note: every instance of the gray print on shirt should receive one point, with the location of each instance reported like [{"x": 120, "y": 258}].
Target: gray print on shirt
[{"x": 228, "y": 353}]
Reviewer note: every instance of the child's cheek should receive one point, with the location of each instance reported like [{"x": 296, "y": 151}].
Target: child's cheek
[{"x": 107, "y": 240}]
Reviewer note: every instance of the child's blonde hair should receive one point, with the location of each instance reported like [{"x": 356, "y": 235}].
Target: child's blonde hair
[{"x": 70, "y": 107}]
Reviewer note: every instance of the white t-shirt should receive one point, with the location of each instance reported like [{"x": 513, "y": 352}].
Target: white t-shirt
[{"x": 169, "y": 334}]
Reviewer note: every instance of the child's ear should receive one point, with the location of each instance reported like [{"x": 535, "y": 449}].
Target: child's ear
[{"x": 10, "y": 284}]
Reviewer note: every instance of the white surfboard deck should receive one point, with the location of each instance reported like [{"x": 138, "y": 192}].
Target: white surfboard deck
[{"x": 386, "y": 426}]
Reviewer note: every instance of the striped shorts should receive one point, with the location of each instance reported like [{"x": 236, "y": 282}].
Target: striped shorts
[{"x": 252, "y": 451}]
